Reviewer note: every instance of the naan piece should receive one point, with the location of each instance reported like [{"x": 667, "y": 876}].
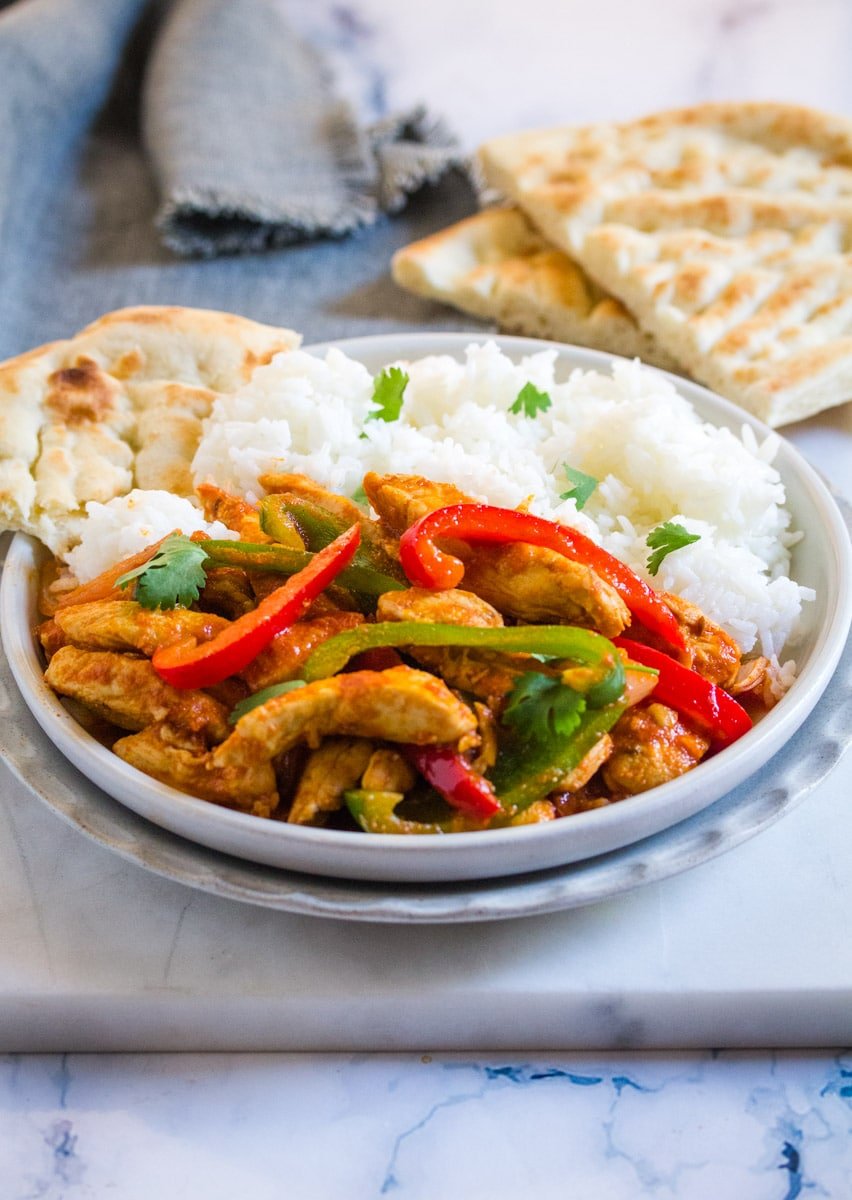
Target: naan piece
[
  {"x": 119, "y": 405},
  {"x": 764, "y": 319},
  {"x": 495, "y": 265},
  {"x": 725, "y": 230},
  {"x": 728, "y": 168}
]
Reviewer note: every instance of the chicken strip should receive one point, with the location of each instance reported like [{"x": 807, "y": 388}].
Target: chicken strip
[
  {"x": 713, "y": 653},
  {"x": 478, "y": 672},
  {"x": 449, "y": 607},
  {"x": 400, "y": 500},
  {"x": 305, "y": 488},
  {"x": 524, "y": 581},
  {"x": 397, "y": 705},
  {"x": 128, "y": 692},
  {"x": 535, "y": 814},
  {"x": 754, "y": 682},
  {"x": 708, "y": 649},
  {"x": 538, "y": 585},
  {"x": 286, "y": 654},
  {"x": 586, "y": 767},
  {"x": 489, "y": 744},
  {"x": 651, "y": 745},
  {"x": 126, "y": 625},
  {"x": 400, "y": 704},
  {"x": 183, "y": 762},
  {"x": 232, "y": 511},
  {"x": 50, "y": 636},
  {"x": 388, "y": 771},
  {"x": 330, "y": 770}
]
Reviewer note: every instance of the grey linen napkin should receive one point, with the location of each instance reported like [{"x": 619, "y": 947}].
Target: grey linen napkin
[
  {"x": 78, "y": 200},
  {"x": 57, "y": 60},
  {"x": 251, "y": 148}
]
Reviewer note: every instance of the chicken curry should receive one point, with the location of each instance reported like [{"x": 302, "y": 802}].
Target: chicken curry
[{"x": 440, "y": 666}]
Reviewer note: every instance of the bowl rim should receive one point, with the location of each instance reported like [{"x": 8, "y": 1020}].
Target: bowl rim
[{"x": 411, "y": 857}]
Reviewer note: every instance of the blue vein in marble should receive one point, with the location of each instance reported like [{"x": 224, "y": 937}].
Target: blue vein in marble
[
  {"x": 63, "y": 1142},
  {"x": 791, "y": 1131},
  {"x": 792, "y": 1163},
  {"x": 60, "y": 1137},
  {"x": 620, "y": 1082},
  {"x": 647, "y": 1174},
  {"x": 390, "y": 1180},
  {"x": 842, "y": 1085},
  {"x": 579, "y": 1080},
  {"x": 513, "y": 1074},
  {"x": 63, "y": 1080},
  {"x": 524, "y": 1075},
  {"x": 520, "y": 1075}
]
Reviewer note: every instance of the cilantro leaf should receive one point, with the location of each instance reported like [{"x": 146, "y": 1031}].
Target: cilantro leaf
[
  {"x": 541, "y": 708},
  {"x": 257, "y": 698},
  {"x": 174, "y": 576},
  {"x": 530, "y": 401},
  {"x": 664, "y": 540},
  {"x": 388, "y": 391},
  {"x": 582, "y": 486},
  {"x": 359, "y": 496}
]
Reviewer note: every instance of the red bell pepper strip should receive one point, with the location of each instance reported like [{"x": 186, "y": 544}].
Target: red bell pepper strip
[
  {"x": 189, "y": 665},
  {"x": 691, "y": 694},
  {"x": 427, "y": 566},
  {"x": 452, "y": 776}
]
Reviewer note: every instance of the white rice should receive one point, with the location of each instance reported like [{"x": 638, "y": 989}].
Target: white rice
[
  {"x": 128, "y": 524},
  {"x": 655, "y": 459}
]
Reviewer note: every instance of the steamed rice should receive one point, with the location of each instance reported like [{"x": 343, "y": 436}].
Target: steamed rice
[
  {"x": 127, "y": 524},
  {"x": 655, "y": 459}
]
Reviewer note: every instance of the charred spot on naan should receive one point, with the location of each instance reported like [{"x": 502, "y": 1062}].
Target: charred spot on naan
[{"x": 80, "y": 393}]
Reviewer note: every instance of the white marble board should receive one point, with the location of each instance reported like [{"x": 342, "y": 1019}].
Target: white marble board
[{"x": 749, "y": 949}]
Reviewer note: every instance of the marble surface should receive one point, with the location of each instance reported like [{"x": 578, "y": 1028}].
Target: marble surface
[
  {"x": 696, "y": 1125},
  {"x": 595, "y": 1127}
]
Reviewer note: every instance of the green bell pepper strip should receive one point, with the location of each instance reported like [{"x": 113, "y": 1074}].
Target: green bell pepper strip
[
  {"x": 286, "y": 561},
  {"x": 316, "y": 524},
  {"x": 529, "y": 771},
  {"x": 374, "y": 812},
  {"x": 556, "y": 641},
  {"x": 320, "y": 527},
  {"x": 278, "y": 524}
]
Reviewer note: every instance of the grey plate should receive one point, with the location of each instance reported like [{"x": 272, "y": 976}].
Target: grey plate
[{"x": 759, "y": 802}]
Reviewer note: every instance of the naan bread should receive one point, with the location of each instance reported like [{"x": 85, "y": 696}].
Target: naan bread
[
  {"x": 495, "y": 265},
  {"x": 765, "y": 320},
  {"x": 724, "y": 228},
  {"x": 725, "y": 168},
  {"x": 119, "y": 405}
]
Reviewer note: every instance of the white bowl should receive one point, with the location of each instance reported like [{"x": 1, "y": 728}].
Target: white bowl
[{"x": 822, "y": 560}]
